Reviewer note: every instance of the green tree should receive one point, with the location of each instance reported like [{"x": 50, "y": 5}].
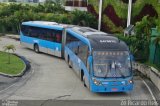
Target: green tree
[
  {"x": 143, "y": 32},
  {"x": 83, "y": 18},
  {"x": 7, "y": 49}
]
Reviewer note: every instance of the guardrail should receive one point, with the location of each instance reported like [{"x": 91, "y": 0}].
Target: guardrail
[{"x": 149, "y": 72}]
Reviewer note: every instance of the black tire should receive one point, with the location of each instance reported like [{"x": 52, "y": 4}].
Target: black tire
[
  {"x": 82, "y": 78},
  {"x": 36, "y": 48},
  {"x": 69, "y": 62},
  {"x": 84, "y": 83}
]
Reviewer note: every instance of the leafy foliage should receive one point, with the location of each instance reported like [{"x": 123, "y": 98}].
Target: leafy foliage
[
  {"x": 12, "y": 15},
  {"x": 143, "y": 33},
  {"x": 139, "y": 44},
  {"x": 116, "y": 11},
  {"x": 84, "y": 19}
]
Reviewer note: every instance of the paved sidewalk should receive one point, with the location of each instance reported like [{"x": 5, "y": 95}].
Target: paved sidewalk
[{"x": 16, "y": 37}]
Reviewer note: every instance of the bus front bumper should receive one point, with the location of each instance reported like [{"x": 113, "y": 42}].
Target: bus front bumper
[{"x": 111, "y": 88}]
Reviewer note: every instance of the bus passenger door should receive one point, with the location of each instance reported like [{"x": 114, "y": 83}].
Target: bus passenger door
[
  {"x": 89, "y": 67},
  {"x": 50, "y": 41},
  {"x": 54, "y": 42},
  {"x": 76, "y": 60}
]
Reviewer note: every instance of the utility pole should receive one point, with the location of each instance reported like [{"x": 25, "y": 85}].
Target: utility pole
[
  {"x": 129, "y": 12},
  {"x": 100, "y": 15}
]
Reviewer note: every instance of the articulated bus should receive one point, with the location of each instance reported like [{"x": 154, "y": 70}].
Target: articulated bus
[
  {"x": 102, "y": 61},
  {"x": 41, "y": 36}
]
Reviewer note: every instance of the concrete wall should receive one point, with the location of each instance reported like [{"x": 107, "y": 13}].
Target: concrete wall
[{"x": 150, "y": 72}]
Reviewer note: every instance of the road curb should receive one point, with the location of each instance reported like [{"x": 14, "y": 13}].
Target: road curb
[
  {"x": 25, "y": 69},
  {"x": 150, "y": 72},
  {"x": 153, "y": 77}
]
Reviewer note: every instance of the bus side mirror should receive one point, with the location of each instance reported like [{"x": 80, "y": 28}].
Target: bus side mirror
[{"x": 131, "y": 57}]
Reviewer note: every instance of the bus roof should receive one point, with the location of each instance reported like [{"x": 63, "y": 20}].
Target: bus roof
[
  {"x": 86, "y": 31},
  {"x": 47, "y": 24},
  {"x": 100, "y": 40}
]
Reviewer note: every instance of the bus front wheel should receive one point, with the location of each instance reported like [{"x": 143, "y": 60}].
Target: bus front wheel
[
  {"x": 83, "y": 78},
  {"x": 84, "y": 83},
  {"x": 36, "y": 48}
]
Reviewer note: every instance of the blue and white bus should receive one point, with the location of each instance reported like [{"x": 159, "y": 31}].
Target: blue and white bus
[
  {"x": 102, "y": 61},
  {"x": 43, "y": 36}
]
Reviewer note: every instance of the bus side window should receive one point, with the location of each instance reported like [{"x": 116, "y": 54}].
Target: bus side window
[
  {"x": 23, "y": 29},
  {"x": 72, "y": 43},
  {"x": 35, "y": 32},
  {"x": 58, "y": 37},
  {"x": 48, "y": 35},
  {"x": 42, "y": 34},
  {"x": 83, "y": 52}
]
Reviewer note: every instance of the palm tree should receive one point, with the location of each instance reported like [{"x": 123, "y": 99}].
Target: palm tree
[
  {"x": 9, "y": 48},
  {"x": 156, "y": 42}
]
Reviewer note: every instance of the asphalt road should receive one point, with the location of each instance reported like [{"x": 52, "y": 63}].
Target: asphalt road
[{"x": 51, "y": 78}]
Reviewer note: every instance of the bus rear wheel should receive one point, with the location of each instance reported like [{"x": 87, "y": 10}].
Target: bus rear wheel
[{"x": 36, "y": 48}]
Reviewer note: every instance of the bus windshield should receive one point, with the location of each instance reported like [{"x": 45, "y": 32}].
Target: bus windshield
[{"x": 111, "y": 64}]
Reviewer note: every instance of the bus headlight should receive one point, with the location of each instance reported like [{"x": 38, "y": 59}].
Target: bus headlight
[
  {"x": 123, "y": 82},
  {"x": 130, "y": 81},
  {"x": 96, "y": 82}
]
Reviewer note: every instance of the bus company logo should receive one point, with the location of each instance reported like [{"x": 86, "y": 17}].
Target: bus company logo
[{"x": 107, "y": 41}]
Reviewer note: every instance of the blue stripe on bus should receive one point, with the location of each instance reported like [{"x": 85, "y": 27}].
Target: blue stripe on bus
[{"x": 41, "y": 43}]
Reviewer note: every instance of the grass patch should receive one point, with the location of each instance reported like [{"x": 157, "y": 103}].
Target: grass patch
[{"x": 14, "y": 68}]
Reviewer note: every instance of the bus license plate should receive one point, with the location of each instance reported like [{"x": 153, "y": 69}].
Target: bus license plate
[{"x": 114, "y": 89}]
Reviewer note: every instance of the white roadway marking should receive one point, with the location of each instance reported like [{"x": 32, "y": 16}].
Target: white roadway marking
[
  {"x": 150, "y": 92},
  {"x": 12, "y": 85}
]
